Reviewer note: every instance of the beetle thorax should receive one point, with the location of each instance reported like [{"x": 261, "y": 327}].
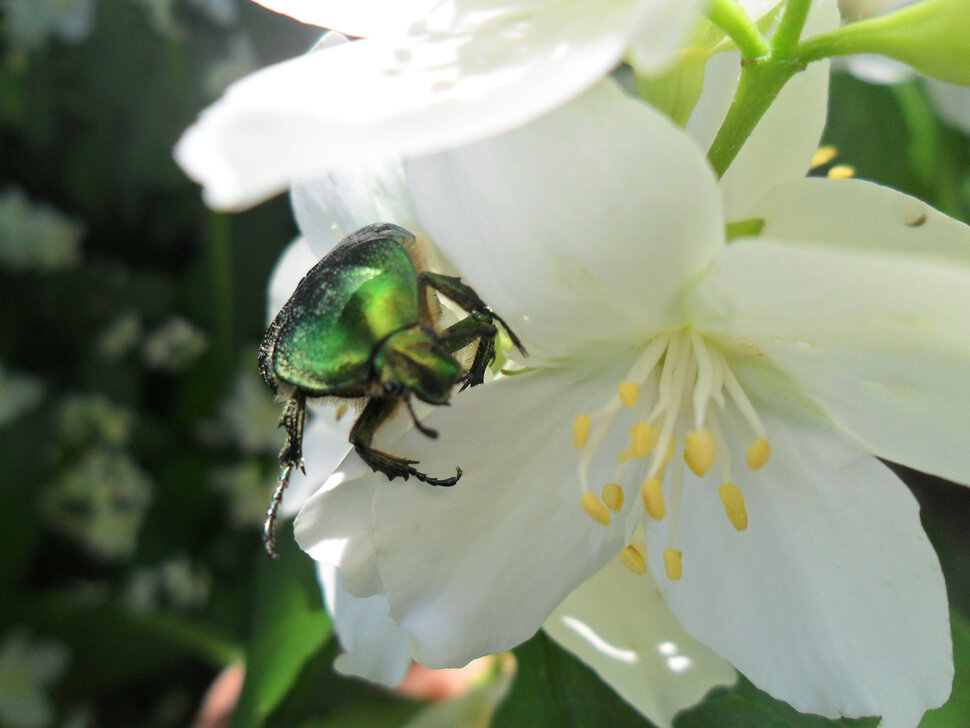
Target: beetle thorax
[{"x": 410, "y": 360}]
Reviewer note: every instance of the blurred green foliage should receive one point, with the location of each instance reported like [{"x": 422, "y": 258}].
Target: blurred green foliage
[{"x": 130, "y": 316}]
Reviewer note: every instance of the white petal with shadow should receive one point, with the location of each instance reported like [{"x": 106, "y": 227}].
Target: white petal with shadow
[
  {"x": 476, "y": 568},
  {"x": 879, "y": 340},
  {"x": 374, "y": 647},
  {"x": 832, "y": 599},
  {"x": 554, "y": 200}
]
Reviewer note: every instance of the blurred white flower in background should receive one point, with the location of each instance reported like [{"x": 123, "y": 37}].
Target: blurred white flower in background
[
  {"x": 28, "y": 668},
  {"x": 35, "y": 236}
]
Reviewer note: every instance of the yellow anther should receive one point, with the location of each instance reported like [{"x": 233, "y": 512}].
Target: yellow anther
[
  {"x": 673, "y": 563},
  {"x": 734, "y": 505},
  {"x": 624, "y": 456},
  {"x": 823, "y": 155},
  {"x": 642, "y": 439},
  {"x": 653, "y": 498},
  {"x": 634, "y": 559},
  {"x": 581, "y": 431},
  {"x": 758, "y": 453},
  {"x": 700, "y": 451},
  {"x": 341, "y": 411},
  {"x": 596, "y": 508},
  {"x": 841, "y": 171},
  {"x": 628, "y": 392},
  {"x": 613, "y": 496}
]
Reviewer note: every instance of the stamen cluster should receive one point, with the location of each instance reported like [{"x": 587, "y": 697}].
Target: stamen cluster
[{"x": 672, "y": 385}]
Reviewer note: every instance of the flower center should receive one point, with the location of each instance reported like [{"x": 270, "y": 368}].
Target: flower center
[{"x": 669, "y": 392}]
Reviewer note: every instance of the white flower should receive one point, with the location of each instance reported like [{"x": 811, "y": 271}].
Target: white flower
[
  {"x": 429, "y": 76},
  {"x": 27, "y": 668},
  {"x": 783, "y": 361}
]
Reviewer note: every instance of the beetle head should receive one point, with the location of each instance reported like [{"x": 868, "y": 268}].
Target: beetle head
[{"x": 411, "y": 360}]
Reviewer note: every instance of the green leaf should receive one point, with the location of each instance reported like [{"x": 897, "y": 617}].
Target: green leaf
[
  {"x": 553, "y": 689},
  {"x": 744, "y": 705},
  {"x": 323, "y": 698},
  {"x": 288, "y": 627},
  {"x": 956, "y": 711}
]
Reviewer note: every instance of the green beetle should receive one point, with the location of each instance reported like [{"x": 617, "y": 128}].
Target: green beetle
[{"x": 360, "y": 325}]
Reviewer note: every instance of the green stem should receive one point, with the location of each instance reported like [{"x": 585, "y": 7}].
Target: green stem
[
  {"x": 757, "y": 90},
  {"x": 785, "y": 40},
  {"x": 731, "y": 18}
]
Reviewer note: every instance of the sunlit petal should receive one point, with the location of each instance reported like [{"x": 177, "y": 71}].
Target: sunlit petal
[
  {"x": 832, "y": 599},
  {"x": 476, "y": 568},
  {"x": 619, "y": 625},
  {"x": 567, "y": 260},
  {"x": 479, "y": 74},
  {"x": 357, "y": 18}
]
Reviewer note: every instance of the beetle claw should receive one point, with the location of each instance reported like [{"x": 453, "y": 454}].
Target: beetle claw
[{"x": 444, "y": 482}]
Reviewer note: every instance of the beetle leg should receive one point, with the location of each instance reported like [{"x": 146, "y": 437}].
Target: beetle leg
[
  {"x": 291, "y": 456},
  {"x": 375, "y": 412},
  {"x": 465, "y": 297},
  {"x": 459, "y": 335}
]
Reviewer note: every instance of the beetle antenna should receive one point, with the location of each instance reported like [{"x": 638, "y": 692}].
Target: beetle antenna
[
  {"x": 269, "y": 525},
  {"x": 427, "y": 431}
]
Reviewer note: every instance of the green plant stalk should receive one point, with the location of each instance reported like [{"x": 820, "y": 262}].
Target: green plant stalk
[
  {"x": 790, "y": 27},
  {"x": 766, "y": 68},
  {"x": 759, "y": 86},
  {"x": 731, "y": 18}
]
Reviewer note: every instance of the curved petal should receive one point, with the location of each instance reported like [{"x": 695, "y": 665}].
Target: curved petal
[
  {"x": 660, "y": 32},
  {"x": 476, "y": 568},
  {"x": 861, "y": 215},
  {"x": 473, "y": 75},
  {"x": 334, "y": 527},
  {"x": 375, "y": 648},
  {"x": 582, "y": 228},
  {"x": 357, "y": 18},
  {"x": 325, "y": 445},
  {"x": 832, "y": 599},
  {"x": 348, "y": 197},
  {"x": 619, "y": 625},
  {"x": 881, "y": 341},
  {"x": 951, "y": 101},
  {"x": 293, "y": 264}
]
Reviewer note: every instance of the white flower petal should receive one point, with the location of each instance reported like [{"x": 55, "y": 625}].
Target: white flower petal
[
  {"x": 721, "y": 76},
  {"x": 348, "y": 197},
  {"x": 293, "y": 264},
  {"x": 559, "y": 225},
  {"x": 325, "y": 445},
  {"x": 862, "y": 216},
  {"x": 832, "y": 599},
  {"x": 375, "y": 648},
  {"x": 334, "y": 527},
  {"x": 620, "y": 626},
  {"x": 358, "y": 18},
  {"x": 476, "y": 568},
  {"x": 474, "y": 77},
  {"x": 951, "y": 101},
  {"x": 880, "y": 341},
  {"x": 661, "y": 28}
]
